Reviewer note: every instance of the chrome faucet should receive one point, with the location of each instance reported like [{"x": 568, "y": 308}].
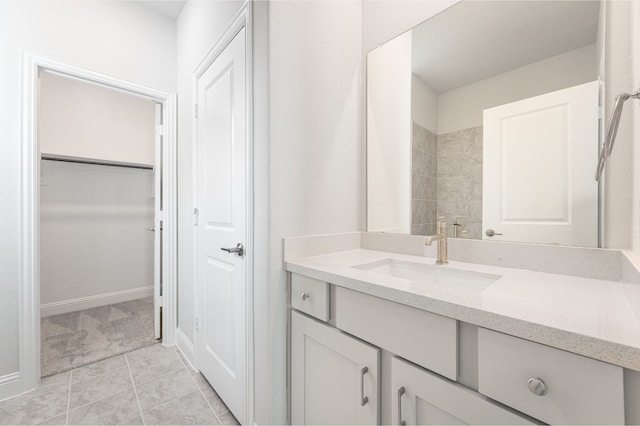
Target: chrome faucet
[{"x": 441, "y": 237}]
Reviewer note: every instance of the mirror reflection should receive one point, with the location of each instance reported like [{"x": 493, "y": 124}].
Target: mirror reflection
[{"x": 488, "y": 115}]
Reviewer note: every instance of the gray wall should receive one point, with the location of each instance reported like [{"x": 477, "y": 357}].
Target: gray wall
[
  {"x": 446, "y": 173},
  {"x": 460, "y": 179},
  {"x": 424, "y": 161}
]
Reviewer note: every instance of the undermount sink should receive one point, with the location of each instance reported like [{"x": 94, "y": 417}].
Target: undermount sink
[{"x": 441, "y": 275}]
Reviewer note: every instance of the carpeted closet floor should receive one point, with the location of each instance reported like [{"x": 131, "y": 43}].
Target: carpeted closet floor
[{"x": 79, "y": 338}]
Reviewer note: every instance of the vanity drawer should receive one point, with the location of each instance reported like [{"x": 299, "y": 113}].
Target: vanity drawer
[
  {"x": 579, "y": 390},
  {"x": 310, "y": 296},
  {"x": 421, "y": 337}
]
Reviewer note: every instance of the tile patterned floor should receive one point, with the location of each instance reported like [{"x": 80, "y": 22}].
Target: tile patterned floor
[
  {"x": 153, "y": 385},
  {"x": 78, "y": 338}
]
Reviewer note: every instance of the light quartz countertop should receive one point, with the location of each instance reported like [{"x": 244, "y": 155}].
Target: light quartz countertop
[{"x": 590, "y": 317}]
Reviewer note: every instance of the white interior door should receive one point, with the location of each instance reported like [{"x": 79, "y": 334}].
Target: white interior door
[
  {"x": 222, "y": 224},
  {"x": 157, "y": 225},
  {"x": 539, "y": 158}
]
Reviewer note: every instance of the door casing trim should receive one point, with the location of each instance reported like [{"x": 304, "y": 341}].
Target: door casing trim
[{"x": 29, "y": 304}]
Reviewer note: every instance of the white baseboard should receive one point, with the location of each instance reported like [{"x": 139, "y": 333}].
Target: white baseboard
[
  {"x": 186, "y": 347},
  {"x": 10, "y": 385},
  {"x": 78, "y": 304}
]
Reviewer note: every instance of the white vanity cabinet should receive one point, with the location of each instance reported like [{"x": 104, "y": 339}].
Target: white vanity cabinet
[
  {"x": 420, "y": 397},
  {"x": 361, "y": 359},
  {"x": 334, "y": 376}
]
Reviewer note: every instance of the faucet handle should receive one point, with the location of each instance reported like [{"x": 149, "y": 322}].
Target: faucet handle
[{"x": 442, "y": 226}]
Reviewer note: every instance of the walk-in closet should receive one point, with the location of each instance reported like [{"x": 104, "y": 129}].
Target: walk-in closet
[{"x": 98, "y": 253}]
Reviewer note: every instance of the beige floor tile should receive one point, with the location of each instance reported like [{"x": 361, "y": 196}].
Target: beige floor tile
[
  {"x": 111, "y": 410},
  {"x": 58, "y": 379},
  {"x": 165, "y": 389},
  {"x": 228, "y": 419},
  {"x": 57, "y": 420},
  {"x": 200, "y": 380},
  {"x": 149, "y": 353},
  {"x": 98, "y": 387},
  {"x": 98, "y": 368},
  {"x": 156, "y": 367},
  {"x": 190, "y": 409},
  {"x": 36, "y": 406},
  {"x": 133, "y": 422}
]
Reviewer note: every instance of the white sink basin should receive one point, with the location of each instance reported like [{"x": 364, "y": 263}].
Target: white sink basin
[{"x": 441, "y": 275}]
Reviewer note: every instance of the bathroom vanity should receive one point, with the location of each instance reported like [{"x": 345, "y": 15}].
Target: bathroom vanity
[{"x": 379, "y": 334}]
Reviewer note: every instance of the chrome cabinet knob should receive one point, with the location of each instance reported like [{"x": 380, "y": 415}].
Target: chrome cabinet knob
[
  {"x": 537, "y": 386},
  {"x": 490, "y": 232},
  {"x": 304, "y": 297}
]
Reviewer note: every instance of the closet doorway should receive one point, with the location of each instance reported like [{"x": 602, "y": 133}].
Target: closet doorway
[
  {"x": 99, "y": 198},
  {"x": 100, "y": 195}
]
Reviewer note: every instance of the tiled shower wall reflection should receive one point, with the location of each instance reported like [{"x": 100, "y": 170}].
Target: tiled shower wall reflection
[
  {"x": 459, "y": 184},
  {"x": 424, "y": 160},
  {"x": 447, "y": 180}
]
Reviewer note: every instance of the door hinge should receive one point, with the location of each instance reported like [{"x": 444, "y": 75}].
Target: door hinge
[
  {"x": 600, "y": 112},
  {"x": 160, "y": 130},
  {"x": 197, "y": 324},
  {"x": 196, "y": 216},
  {"x": 195, "y": 111}
]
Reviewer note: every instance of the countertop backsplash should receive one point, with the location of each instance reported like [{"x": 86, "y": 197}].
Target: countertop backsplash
[{"x": 602, "y": 264}]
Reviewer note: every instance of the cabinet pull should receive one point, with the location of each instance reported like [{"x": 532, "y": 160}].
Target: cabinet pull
[
  {"x": 304, "y": 297},
  {"x": 365, "y": 399},
  {"x": 537, "y": 386},
  {"x": 400, "y": 393}
]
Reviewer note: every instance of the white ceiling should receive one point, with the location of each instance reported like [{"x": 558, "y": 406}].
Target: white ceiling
[
  {"x": 474, "y": 40},
  {"x": 169, "y": 8}
]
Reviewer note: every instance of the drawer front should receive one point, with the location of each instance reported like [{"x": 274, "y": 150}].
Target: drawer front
[
  {"x": 421, "y": 337},
  {"x": 310, "y": 296},
  {"x": 420, "y": 397},
  {"x": 566, "y": 388}
]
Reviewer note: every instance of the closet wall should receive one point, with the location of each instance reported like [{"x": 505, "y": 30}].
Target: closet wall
[{"x": 95, "y": 246}]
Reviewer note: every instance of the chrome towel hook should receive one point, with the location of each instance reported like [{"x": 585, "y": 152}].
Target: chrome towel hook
[{"x": 607, "y": 147}]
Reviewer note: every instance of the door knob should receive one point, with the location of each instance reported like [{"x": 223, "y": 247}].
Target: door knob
[
  {"x": 239, "y": 249},
  {"x": 490, "y": 232},
  {"x": 151, "y": 229}
]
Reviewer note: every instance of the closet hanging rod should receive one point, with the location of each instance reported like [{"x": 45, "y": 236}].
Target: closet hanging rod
[{"x": 79, "y": 160}]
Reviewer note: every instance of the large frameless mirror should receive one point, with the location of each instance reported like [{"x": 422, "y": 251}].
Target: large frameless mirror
[{"x": 488, "y": 114}]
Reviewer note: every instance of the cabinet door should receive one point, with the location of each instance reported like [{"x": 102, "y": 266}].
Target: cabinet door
[
  {"x": 334, "y": 377},
  {"x": 423, "y": 398}
]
